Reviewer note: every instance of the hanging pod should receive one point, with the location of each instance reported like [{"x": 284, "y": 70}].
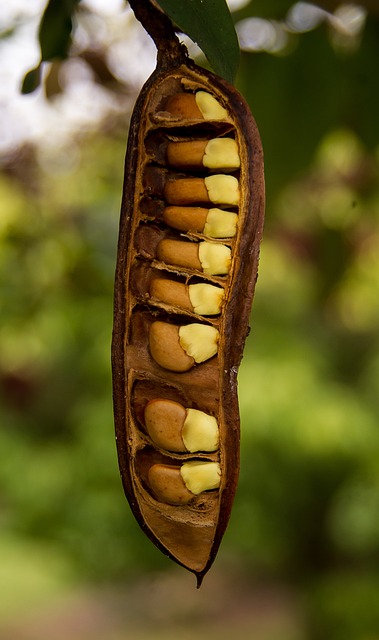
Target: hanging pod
[{"x": 190, "y": 230}]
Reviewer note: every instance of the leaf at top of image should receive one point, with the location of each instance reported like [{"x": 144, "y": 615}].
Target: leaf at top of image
[
  {"x": 55, "y": 29},
  {"x": 54, "y": 37},
  {"x": 210, "y": 25}
]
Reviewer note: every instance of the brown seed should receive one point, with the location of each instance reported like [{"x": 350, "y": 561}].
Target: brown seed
[
  {"x": 171, "y": 292},
  {"x": 167, "y": 484},
  {"x": 215, "y": 223},
  {"x": 186, "y": 191},
  {"x": 216, "y": 154},
  {"x": 209, "y": 257},
  {"x": 179, "y": 253},
  {"x": 199, "y": 106},
  {"x": 186, "y": 155},
  {"x": 186, "y": 218},
  {"x": 165, "y": 347},
  {"x": 184, "y": 105},
  {"x": 164, "y": 420},
  {"x": 217, "y": 188},
  {"x": 202, "y": 298},
  {"x": 174, "y": 428}
]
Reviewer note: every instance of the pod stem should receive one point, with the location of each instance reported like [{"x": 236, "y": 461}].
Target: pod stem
[{"x": 160, "y": 28}]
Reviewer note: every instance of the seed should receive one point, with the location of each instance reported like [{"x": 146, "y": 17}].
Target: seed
[
  {"x": 202, "y": 298},
  {"x": 184, "y": 105},
  {"x": 215, "y": 223},
  {"x": 186, "y": 191},
  {"x": 174, "y": 428},
  {"x": 200, "y": 431},
  {"x": 202, "y": 106},
  {"x": 222, "y": 189},
  {"x": 164, "y": 420},
  {"x": 179, "y": 485},
  {"x": 206, "y": 299},
  {"x": 209, "y": 257},
  {"x": 218, "y": 189},
  {"x": 186, "y": 218},
  {"x": 165, "y": 347},
  {"x": 171, "y": 292},
  {"x": 199, "y": 341},
  {"x": 178, "y": 348},
  {"x": 217, "y": 153},
  {"x": 200, "y": 476},
  {"x": 168, "y": 485},
  {"x": 186, "y": 155},
  {"x": 179, "y": 253}
]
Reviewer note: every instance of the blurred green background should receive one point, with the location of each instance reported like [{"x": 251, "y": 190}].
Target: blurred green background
[{"x": 300, "y": 559}]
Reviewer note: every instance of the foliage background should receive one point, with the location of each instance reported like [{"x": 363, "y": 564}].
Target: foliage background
[{"x": 300, "y": 557}]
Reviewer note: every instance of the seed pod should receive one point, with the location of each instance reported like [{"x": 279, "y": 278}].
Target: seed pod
[{"x": 171, "y": 352}]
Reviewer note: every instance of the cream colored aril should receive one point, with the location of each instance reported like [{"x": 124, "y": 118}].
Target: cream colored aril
[
  {"x": 199, "y": 341},
  {"x": 222, "y": 189},
  {"x": 206, "y": 299},
  {"x": 199, "y": 476},
  {"x": 210, "y": 108},
  {"x": 220, "y": 224},
  {"x": 215, "y": 259},
  {"x": 200, "y": 431},
  {"x": 221, "y": 154}
]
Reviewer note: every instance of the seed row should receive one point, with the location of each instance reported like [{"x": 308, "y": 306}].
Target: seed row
[{"x": 199, "y": 218}]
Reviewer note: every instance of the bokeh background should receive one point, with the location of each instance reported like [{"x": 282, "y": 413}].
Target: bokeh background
[{"x": 300, "y": 559}]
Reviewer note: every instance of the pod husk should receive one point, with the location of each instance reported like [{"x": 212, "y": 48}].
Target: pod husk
[{"x": 190, "y": 535}]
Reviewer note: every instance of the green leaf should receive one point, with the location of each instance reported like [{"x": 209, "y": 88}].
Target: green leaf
[
  {"x": 54, "y": 37},
  {"x": 210, "y": 25},
  {"x": 31, "y": 80},
  {"x": 55, "y": 29}
]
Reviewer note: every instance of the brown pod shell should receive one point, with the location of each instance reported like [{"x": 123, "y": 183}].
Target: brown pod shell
[{"x": 189, "y": 532}]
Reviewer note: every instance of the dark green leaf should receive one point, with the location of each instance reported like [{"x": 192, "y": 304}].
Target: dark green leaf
[
  {"x": 31, "y": 80},
  {"x": 54, "y": 37},
  {"x": 55, "y": 29},
  {"x": 210, "y": 25}
]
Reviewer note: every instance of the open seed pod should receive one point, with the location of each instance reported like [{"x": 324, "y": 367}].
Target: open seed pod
[{"x": 190, "y": 229}]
